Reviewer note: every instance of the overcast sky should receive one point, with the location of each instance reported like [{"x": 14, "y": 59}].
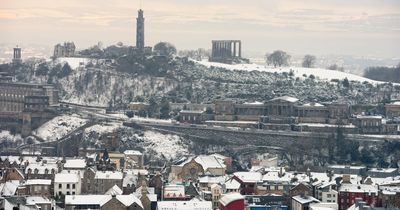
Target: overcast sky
[{"x": 343, "y": 27}]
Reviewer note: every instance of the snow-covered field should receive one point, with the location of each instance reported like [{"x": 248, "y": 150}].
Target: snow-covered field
[
  {"x": 168, "y": 145},
  {"x": 59, "y": 127},
  {"x": 323, "y": 74}
]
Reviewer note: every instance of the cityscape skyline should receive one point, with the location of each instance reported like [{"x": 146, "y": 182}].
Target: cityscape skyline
[{"x": 329, "y": 27}]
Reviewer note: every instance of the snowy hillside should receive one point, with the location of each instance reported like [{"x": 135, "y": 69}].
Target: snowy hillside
[
  {"x": 170, "y": 146},
  {"x": 73, "y": 62},
  {"x": 323, "y": 74},
  {"x": 59, "y": 127},
  {"x": 6, "y": 136}
]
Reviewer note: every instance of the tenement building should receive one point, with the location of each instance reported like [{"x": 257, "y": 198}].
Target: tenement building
[
  {"x": 16, "y": 97},
  {"x": 26, "y": 103}
]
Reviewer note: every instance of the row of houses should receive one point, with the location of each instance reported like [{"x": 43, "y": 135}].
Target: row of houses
[
  {"x": 201, "y": 182},
  {"x": 288, "y": 113}
]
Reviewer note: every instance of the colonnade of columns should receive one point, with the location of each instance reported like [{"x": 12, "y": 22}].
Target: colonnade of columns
[{"x": 226, "y": 48}]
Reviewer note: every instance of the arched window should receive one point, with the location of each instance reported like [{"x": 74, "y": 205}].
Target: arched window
[
  {"x": 36, "y": 171},
  {"x": 46, "y": 171}
]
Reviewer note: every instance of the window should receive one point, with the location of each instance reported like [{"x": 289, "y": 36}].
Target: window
[
  {"x": 59, "y": 192},
  {"x": 73, "y": 193},
  {"x": 73, "y": 186},
  {"x": 67, "y": 186},
  {"x": 328, "y": 195},
  {"x": 59, "y": 186},
  {"x": 68, "y": 193}
]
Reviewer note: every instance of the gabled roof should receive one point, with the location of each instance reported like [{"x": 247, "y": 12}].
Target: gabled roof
[
  {"x": 114, "y": 190},
  {"x": 128, "y": 200},
  {"x": 232, "y": 184}
]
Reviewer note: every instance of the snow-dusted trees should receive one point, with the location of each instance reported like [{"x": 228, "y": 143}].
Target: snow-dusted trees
[
  {"x": 309, "y": 61},
  {"x": 278, "y": 58}
]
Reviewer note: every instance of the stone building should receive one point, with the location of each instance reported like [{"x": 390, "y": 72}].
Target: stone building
[
  {"x": 225, "y": 110},
  {"x": 99, "y": 182},
  {"x": 191, "y": 116},
  {"x": 393, "y": 109},
  {"x": 369, "y": 124},
  {"x": 39, "y": 187},
  {"x": 65, "y": 50},
  {"x": 133, "y": 159}
]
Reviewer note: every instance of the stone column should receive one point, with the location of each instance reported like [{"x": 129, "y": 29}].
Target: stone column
[
  {"x": 234, "y": 49},
  {"x": 240, "y": 49},
  {"x": 230, "y": 48},
  {"x": 219, "y": 49}
]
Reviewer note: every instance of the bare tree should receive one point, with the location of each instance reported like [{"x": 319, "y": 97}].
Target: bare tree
[
  {"x": 278, "y": 58},
  {"x": 309, "y": 61},
  {"x": 335, "y": 67}
]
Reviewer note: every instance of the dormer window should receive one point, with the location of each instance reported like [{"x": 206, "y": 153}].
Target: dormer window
[
  {"x": 36, "y": 171},
  {"x": 29, "y": 171},
  {"x": 46, "y": 171}
]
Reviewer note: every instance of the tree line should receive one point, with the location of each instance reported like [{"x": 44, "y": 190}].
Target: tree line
[{"x": 382, "y": 73}]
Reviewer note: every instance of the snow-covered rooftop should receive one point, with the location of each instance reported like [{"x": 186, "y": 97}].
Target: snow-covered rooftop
[
  {"x": 75, "y": 163},
  {"x": 305, "y": 199},
  {"x": 230, "y": 197},
  {"x": 38, "y": 182},
  {"x": 8, "y": 188},
  {"x": 114, "y": 190},
  {"x": 232, "y": 184},
  {"x": 208, "y": 161},
  {"x": 87, "y": 199},
  {"x": 66, "y": 178},
  {"x": 364, "y": 188},
  {"x": 248, "y": 177},
  {"x": 108, "y": 175}
]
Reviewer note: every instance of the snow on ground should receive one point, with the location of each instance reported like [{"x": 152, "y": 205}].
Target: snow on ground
[
  {"x": 7, "y": 136},
  {"x": 324, "y": 74},
  {"x": 59, "y": 127},
  {"x": 73, "y": 62},
  {"x": 150, "y": 120},
  {"x": 168, "y": 145}
]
